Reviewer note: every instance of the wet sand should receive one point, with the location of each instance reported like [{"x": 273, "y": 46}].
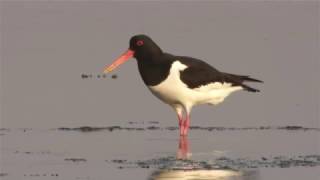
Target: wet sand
[
  {"x": 62, "y": 119},
  {"x": 148, "y": 150}
]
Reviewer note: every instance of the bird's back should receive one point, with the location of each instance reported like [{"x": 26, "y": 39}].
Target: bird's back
[{"x": 200, "y": 73}]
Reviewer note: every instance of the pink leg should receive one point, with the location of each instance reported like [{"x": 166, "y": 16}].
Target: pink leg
[
  {"x": 181, "y": 124},
  {"x": 184, "y": 122},
  {"x": 186, "y": 125}
]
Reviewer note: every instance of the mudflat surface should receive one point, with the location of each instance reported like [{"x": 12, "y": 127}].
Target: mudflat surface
[
  {"x": 62, "y": 119},
  {"x": 152, "y": 151}
]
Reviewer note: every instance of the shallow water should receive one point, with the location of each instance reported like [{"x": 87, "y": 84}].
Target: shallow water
[
  {"x": 64, "y": 120},
  {"x": 152, "y": 151}
]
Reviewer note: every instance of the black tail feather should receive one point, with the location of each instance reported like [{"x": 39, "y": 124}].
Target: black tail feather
[
  {"x": 240, "y": 79},
  {"x": 250, "y": 89},
  {"x": 247, "y": 78},
  {"x": 244, "y": 78}
]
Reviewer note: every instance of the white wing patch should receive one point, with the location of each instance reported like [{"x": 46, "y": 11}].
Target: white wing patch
[
  {"x": 216, "y": 92},
  {"x": 212, "y": 86},
  {"x": 173, "y": 91}
]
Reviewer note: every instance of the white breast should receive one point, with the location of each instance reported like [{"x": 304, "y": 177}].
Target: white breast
[{"x": 173, "y": 91}]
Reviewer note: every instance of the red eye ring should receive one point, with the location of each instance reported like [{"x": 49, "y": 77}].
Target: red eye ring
[{"x": 140, "y": 43}]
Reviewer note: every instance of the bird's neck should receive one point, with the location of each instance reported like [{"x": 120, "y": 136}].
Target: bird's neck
[
  {"x": 154, "y": 69},
  {"x": 150, "y": 56}
]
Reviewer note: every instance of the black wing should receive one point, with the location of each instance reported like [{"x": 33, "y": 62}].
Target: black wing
[{"x": 200, "y": 73}]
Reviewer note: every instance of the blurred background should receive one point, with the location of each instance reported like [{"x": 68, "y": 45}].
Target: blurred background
[{"x": 46, "y": 46}]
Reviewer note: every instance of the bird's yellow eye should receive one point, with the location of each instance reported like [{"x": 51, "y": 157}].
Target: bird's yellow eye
[{"x": 140, "y": 43}]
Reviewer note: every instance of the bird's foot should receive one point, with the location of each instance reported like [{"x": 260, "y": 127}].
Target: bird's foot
[{"x": 182, "y": 131}]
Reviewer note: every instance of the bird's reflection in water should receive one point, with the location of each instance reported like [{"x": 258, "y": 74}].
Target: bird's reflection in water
[
  {"x": 186, "y": 169},
  {"x": 183, "y": 149}
]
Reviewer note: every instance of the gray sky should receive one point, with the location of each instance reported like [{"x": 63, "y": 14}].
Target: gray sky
[{"x": 45, "y": 47}]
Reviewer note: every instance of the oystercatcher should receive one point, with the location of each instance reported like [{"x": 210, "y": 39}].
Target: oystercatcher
[{"x": 180, "y": 81}]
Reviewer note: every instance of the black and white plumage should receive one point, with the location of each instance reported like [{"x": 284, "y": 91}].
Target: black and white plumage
[{"x": 179, "y": 81}]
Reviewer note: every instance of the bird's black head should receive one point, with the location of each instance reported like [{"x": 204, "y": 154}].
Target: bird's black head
[{"x": 144, "y": 47}]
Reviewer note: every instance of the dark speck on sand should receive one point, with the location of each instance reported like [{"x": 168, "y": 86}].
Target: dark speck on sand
[
  {"x": 153, "y": 122},
  {"x": 75, "y": 159},
  {"x": 4, "y": 129},
  {"x": 85, "y": 129},
  {"x": 114, "y": 76},
  {"x": 119, "y": 161},
  {"x": 87, "y": 76},
  {"x": 84, "y": 76},
  {"x": 94, "y": 129},
  {"x": 3, "y": 174}
]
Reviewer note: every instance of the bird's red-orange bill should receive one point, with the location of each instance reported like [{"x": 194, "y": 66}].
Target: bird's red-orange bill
[{"x": 123, "y": 58}]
